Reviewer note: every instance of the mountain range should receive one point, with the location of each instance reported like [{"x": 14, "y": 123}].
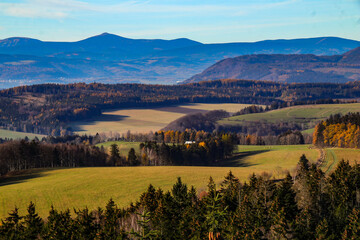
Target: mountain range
[
  {"x": 110, "y": 58},
  {"x": 286, "y": 68}
]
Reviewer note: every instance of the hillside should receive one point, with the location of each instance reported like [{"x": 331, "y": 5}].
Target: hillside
[
  {"x": 286, "y": 68},
  {"x": 93, "y": 187},
  {"x": 50, "y": 108},
  {"x": 301, "y": 117},
  {"x": 110, "y": 58}
]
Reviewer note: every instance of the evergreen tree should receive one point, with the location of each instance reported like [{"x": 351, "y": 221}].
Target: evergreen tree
[
  {"x": 85, "y": 225},
  {"x": 59, "y": 225},
  {"x": 352, "y": 229},
  {"x": 132, "y": 158},
  {"x": 12, "y": 228},
  {"x": 215, "y": 218},
  {"x": 302, "y": 226},
  {"x": 279, "y": 228},
  {"x": 211, "y": 188},
  {"x": 114, "y": 155},
  {"x": 180, "y": 193},
  {"x": 230, "y": 190},
  {"x": 110, "y": 226},
  {"x": 322, "y": 230},
  {"x": 285, "y": 196},
  {"x": 33, "y": 223},
  {"x": 145, "y": 233}
]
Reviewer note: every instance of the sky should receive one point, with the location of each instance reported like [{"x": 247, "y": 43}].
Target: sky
[{"x": 207, "y": 21}]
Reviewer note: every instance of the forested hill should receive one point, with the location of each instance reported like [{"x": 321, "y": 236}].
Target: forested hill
[
  {"x": 286, "y": 68},
  {"x": 47, "y": 108}
]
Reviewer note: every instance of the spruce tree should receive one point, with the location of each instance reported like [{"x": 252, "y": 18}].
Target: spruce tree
[
  {"x": 33, "y": 223},
  {"x": 285, "y": 196},
  {"x": 132, "y": 158},
  {"x": 85, "y": 225},
  {"x": 145, "y": 233},
  {"x": 110, "y": 227},
  {"x": 59, "y": 225},
  {"x": 322, "y": 230},
  {"x": 352, "y": 229},
  {"x": 13, "y": 227}
]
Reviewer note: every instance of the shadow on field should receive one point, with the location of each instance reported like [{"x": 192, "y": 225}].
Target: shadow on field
[
  {"x": 183, "y": 110},
  {"x": 101, "y": 118},
  {"x": 20, "y": 177},
  {"x": 238, "y": 159}
]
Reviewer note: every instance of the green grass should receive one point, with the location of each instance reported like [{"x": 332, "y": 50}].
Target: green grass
[
  {"x": 16, "y": 135},
  {"x": 351, "y": 155},
  {"x": 308, "y": 115},
  {"x": 93, "y": 187},
  {"x": 124, "y": 147},
  {"x": 145, "y": 120}
]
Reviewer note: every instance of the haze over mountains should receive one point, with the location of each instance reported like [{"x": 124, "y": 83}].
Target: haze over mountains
[
  {"x": 110, "y": 58},
  {"x": 286, "y": 68}
]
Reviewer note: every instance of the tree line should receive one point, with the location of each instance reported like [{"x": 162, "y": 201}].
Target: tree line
[
  {"x": 338, "y": 131},
  {"x": 307, "y": 205},
  {"x": 23, "y": 155}
]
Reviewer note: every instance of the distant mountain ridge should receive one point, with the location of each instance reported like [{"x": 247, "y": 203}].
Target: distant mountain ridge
[
  {"x": 113, "y": 59},
  {"x": 286, "y": 68},
  {"x": 105, "y": 43}
]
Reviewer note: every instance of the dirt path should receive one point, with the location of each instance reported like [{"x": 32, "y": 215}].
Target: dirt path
[{"x": 331, "y": 157}]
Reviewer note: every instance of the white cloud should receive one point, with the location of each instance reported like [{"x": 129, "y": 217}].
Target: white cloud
[
  {"x": 31, "y": 11},
  {"x": 63, "y": 8}
]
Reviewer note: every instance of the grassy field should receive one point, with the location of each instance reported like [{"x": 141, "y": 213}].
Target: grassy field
[
  {"x": 145, "y": 120},
  {"x": 93, "y": 187},
  {"x": 124, "y": 147},
  {"x": 15, "y": 135},
  {"x": 351, "y": 155},
  {"x": 307, "y": 114}
]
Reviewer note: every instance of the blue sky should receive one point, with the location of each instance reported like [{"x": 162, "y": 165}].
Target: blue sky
[{"x": 207, "y": 21}]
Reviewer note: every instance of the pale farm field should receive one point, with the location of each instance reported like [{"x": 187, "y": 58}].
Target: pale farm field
[{"x": 145, "y": 120}]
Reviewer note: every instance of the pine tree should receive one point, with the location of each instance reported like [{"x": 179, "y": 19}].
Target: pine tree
[
  {"x": 114, "y": 155},
  {"x": 322, "y": 230},
  {"x": 33, "y": 223},
  {"x": 279, "y": 227},
  {"x": 215, "y": 218},
  {"x": 180, "y": 194},
  {"x": 230, "y": 190},
  {"x": 13, "y": 227},
  {"x": 146, "y": 233},
  {"x": 211, "y": 188},
  {"x": 59, "y": 225},
  {"x": 285, "y": 195},
  {"x": 85, "y": 225},
  {"x": 302, "y": 226},
  {"x": 110, "y": 226},
  {"x": 132, "y": 158},
  {"x": 352, "y": 229}
]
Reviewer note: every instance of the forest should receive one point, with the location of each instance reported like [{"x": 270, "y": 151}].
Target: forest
[
  {"x": 307, "y": 205},
  {"x": 338, "y": 131},
  {"x": 48, "y": 108}
]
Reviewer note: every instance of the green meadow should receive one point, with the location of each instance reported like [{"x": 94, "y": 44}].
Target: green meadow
[
  {"x": 16, "y": 135},
  {"x": 93, "y": 187},
  {"x": 308, "y": 115}
]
